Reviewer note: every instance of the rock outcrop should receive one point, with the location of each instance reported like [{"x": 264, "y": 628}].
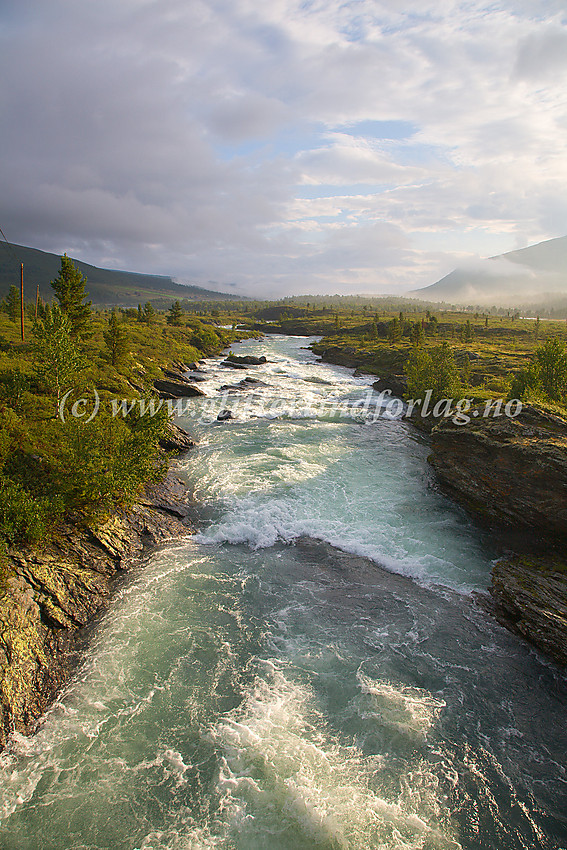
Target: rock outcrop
[
  {"x": 48, "y": 595},
  {"x": 512, "y": 474},
  {"x": 176, "y": 439},
  {"x": 529, "y": 595},
  {"x": 397, "y": 384},
  {"x": 169, "y": 388},
  {"x": 343, "y": 355}
]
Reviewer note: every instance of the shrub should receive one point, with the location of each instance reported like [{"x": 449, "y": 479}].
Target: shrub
[
  {"x": 545, "y": 378},
  {"x": 433, "y": 369},
  {"x": 24, "y": 518}
]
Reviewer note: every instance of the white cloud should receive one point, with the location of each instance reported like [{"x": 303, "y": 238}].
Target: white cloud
[{"x": 181, "y": 137}]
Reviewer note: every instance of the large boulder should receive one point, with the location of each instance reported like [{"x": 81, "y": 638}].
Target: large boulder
[
  {"x": 246, "y": 360},
  {"x": 169, "y": 388}
]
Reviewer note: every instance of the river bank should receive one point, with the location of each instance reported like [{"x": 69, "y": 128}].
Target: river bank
[
  {"x": 510, "y": 474},
  {"x": 52, "y": 592},
  {"x": 308, "y": 669},
  {"x": 43, "y": 611}
]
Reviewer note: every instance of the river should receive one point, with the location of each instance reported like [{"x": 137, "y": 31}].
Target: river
[{"x": 310, "y": 670}]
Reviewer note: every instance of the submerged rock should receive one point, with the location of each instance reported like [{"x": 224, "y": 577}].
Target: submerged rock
[
  {"x": 228, "y": 364},
  {"x": 245, "y": 384},
  {"x": 224, "y": 415},
  {"x": 249, "y": 380},
  {"x": 247, "y": 360}
]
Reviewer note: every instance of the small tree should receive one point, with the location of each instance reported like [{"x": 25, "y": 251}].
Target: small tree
[
  {"x": 551, "y": 362},
  {"x": 545, "y": 377},
  {"x": 69, "y": 287},
  {"x": 433, "y": 369},
  {"x": 149, "y": 313},
  {"x": 466, "y": 371},
  {"x": 116, "y": 340},
  {"x": 175, "y": 316},
  {"x": 140, "y": 314},
  {"x": 467, "y": 331},
  {"x": 11, "y": 304},
  {"x": 417, "y": 335},
  {"x": 394, "y": 330},
  {"x": 57, "y": 358},
  {"x": 432, "y": 326}
]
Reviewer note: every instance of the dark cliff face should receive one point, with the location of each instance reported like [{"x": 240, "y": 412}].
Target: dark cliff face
[
  {"x": 529, "y": 595},
  {"x": 510, "y": 471},
  {"x": 512, "y": 474}
]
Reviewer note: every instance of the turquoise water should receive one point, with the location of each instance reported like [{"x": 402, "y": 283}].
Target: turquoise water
[{"x": 310, "y": 670}]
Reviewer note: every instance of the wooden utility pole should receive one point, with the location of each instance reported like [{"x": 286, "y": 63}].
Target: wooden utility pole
[{"x": 22, "y": 299}]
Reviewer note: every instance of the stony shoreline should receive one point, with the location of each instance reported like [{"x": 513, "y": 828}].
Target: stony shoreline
[
  {"x": 53, "y": 592},
  {"x": 511, "y": 475}
]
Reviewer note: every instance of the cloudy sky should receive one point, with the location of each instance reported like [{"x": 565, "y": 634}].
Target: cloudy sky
[{"x": 270, "y": 147}]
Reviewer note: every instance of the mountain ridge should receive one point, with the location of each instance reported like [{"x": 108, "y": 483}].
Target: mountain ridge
[
  {"x": 105, "y": 287},
  {"x": 524, "y": 275}
]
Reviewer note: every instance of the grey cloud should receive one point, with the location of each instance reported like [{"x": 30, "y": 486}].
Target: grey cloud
[
  {"x": 242, "y": 116},
  {"x": 542, "y": 54},
  {"x": 118, "y": 121}
]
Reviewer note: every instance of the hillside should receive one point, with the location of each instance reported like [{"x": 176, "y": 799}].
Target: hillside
[
  {"x": 536, "y": 275},
  {"x": 105, "y": 287}
]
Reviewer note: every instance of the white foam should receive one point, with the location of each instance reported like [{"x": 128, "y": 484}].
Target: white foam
[
  {"x": 261, "y": 524},
  {"x": 411, "y": 711},
  {"x": 283, "y": 772}
]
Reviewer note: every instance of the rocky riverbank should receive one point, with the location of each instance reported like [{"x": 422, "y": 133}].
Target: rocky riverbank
[
  {"x": 512, "y": 475},
  {"x": 53, "y": 592},
  {"x": 511, "y": 472},
  {"x": 529, "y": 597}
]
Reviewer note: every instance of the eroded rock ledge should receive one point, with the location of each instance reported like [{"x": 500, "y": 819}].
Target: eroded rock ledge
[
  {"x": 511, "y": 471},
  {"x": 529, "y": 595},
  {"x": 512, "y": 474},
  {"x": 53, "y": 592}
]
